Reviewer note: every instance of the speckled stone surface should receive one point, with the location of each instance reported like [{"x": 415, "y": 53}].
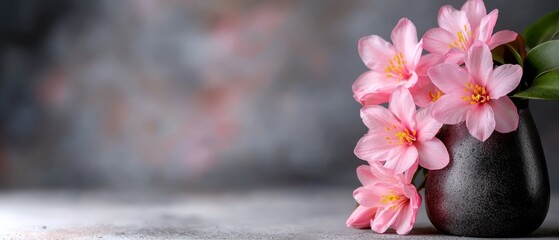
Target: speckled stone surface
[
  {"x": 274, "y": 213},
  {"x": 497, "y": 188}
]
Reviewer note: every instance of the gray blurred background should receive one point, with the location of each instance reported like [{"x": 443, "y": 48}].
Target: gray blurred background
[{"x": 199, "y": 94}]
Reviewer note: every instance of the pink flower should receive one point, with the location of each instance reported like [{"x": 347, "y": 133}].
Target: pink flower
[
  {"x": 391, "y": 66},
  {"x": 361, "y": 217},
  {"x": 477, "y": 95},
  {"x": 425, "y": 92},
  {"x": 386, "y": 199},
  {"x": 400, "y": 136},
  {"x": 459, "y": 29}
]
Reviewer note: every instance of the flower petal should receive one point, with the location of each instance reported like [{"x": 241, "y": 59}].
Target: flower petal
[
  {"x": 506, "y": 115},
  {"x": 486, "y": 25},
  {"x": 411, "y": 81},
  {"x": 384, "y": 219},
  {"x": 448, "y": 77},
  {"x": 422, "y": 81},
  {"x": 372, "y": 82},
  {"x": 433, "y": 154},
  {"x": 367, "y": 196},
  {"x": 452, "y": 20},
  {"x": 415, "y": 55},
  {"x": 412, "y": 194},
  {"x": 374, "y": 147},
  {"x": 426, "y": 62},
  {"x": 361, "y": 217},
  {"x": 422, "y": 94},
  {"x": 427, "y": 127},
  {"x": 375, "y": 51},
  {"x": 404, "y": 37},
  {"x": 407, "y": 177},
  {"x": 373, "y": 98},
  {"x": 383, "y": 174},
  {"x": 404, "y": 159},
  {"x": 408, "y": 215},
  {"x": 503, "y": 80},
  {"x": 403, "y": 107},
  {"x": 450, "y": 109},
  {"x": 501, "y": 37},
  {"x": 404, "y": 222},
  {"x": 481, "y": 122},
  {"x": 437, "y": 40},
  {"x": 365, "y": 176},
  {"x": 455, "y": 55},
  {"x": 377, "y": 117},
  {"x": 475, "y": 11},
  {"x": 479, "y": 63}
]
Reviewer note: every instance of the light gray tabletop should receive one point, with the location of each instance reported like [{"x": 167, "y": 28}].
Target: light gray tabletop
[{"x": 296, "y": 213}]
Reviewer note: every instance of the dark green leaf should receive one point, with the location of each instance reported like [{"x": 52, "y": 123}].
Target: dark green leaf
[
  {"x": 545, "y": 87},
  {"x": 542, "y": 30},
  {"x": 515, "y": 54},
  {"x": 541, "y": 59}
]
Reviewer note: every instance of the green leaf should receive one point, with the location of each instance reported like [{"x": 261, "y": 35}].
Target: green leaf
[
  {"x": 545, "y": 87},
  {"x": 542, "y": 30},
  {"x": 541, "y": 59},
  {"x": 515, "y": 54}
]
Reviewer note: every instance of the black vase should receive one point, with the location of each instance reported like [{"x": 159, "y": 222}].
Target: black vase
[{"x": 496, "y": 188}]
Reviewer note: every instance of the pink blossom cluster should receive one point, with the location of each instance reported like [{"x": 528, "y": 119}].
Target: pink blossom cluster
[{"x": 455, "y": 82}]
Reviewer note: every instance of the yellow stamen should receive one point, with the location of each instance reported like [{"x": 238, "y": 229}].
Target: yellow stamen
[
  {"x": 397, "y": 67},
  {"x": 406, "y": 137},
  {"x": 389, "y": 198},
  {"x": 461, "y": 42},
  {"x": 403, "y": 137},
  {"x": 478, "y": 94},
  {"x": 435, "y": 96}
]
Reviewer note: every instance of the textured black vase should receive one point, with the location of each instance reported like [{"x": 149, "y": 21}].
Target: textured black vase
[{"x": 496, "y": 188}]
